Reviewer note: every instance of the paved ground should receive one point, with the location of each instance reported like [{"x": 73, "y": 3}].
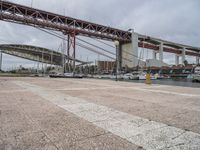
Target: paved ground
[{"x": 43, "y": 113}]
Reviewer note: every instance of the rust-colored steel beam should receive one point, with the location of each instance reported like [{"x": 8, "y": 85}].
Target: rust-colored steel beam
[
  {"x": 148, "y": 46},
  {"x": 192, "y": 53},
  {"x": 171, "y": 50},
  {"x": 166, "y": 49},
  {"x": 34, "y": 17},
  {"x": 156, "y": 48}
]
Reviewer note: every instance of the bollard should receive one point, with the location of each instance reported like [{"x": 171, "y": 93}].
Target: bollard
[{"x": 148, "y": 78}]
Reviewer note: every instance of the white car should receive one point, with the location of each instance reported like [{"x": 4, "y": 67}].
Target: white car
[{"x": 128, "y": 76}]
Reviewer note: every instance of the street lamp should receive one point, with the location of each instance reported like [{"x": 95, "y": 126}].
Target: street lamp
[
  {"x": 130, "y": 30},
  {"x": 31, "y": 3},
  {"x": 117, "y": 51}
]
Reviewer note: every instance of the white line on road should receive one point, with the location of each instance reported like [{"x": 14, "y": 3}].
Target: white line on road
[
  {"x": 166, "y": 92},
  {"x": 140, "y": 131},
  {"x": 134, "y": 88},
  {"x": 13, "y": 91}
]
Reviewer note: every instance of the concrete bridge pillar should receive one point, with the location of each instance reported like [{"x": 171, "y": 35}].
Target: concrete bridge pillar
[
  {"x": 129, "y": 52},
  {"x": 176, "y": 60},
  {"x": 135, "y": 49},
  {"x": 154, "y": 55},
  {"x": 161, "y": 52},
  {"x": 183, "y": 55}
]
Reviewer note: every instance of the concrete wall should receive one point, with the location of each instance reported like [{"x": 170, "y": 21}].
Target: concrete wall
[
  {"x": 155, "y": 63},
  {"x": 106, "y": 65},
  {"x": 126, "y": 49},
  {"x": 130, "y": 51}
]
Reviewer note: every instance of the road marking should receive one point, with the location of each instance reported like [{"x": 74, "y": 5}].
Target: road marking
[
  {"x": 167, "y": 92},
  {"x": 150, "y": 135},
  {"x": 90, "y": 88},
  {"x": 134, "y": 88},
  {"x": 13, "y": 91},
  {"x": 116, "y": 86}
]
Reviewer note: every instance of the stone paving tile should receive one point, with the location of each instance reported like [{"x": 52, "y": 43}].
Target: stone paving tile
[
  {"x": 26, "y": 141},
  {"x": 162, "y": 110},
  {"x": 71, "y": 128},
  {"x": 29, "y": 122},
  {"x": 105, "y": 142},
  {"x": 123, "y": 127},
  {"x": 189, "y": 121},
  {"x": 159, "y": 138}
]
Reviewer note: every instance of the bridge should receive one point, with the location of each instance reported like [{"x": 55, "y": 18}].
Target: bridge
[
  {"x": 35, "y": 53},
  {"x": 128, "y": 41}
]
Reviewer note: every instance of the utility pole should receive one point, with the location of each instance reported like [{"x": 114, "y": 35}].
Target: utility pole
[
  {"x": 117, "y": 55},
  {"x": 38, "y": 64},
  {"x": 74, "y": 53},
  {"x": 42, "y": 62},
  {"x": 88, "y": 71},
  {"x": 1, "y": 60},
  {"x": 31, "y": 3},
  {"x": 51, "y": 59},
  {"x": 64, "y": 47},
  {"x": 98, "y": 62}
]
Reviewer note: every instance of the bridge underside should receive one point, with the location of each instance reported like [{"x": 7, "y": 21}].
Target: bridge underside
[
  {"x": 158, "y": 46},
  {"x": 36, "y": 54}
]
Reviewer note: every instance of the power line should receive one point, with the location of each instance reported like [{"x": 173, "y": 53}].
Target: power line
[
  {"x": 59, "y": 36},
  {"x": 91, "y": 49},
  {"x": 6, "y": 41},
  {"x": 114, "y": 47},
  {"x": 95, "y": 46},
  {"x": 104, "y": 43},
  {"x": 107, "y": 50},
  {"x": 79, "y": 44}
]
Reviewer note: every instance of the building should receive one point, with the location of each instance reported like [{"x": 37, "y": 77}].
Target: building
[{"x": 105, "y": 66}]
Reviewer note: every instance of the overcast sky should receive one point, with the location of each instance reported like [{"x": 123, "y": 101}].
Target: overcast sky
[{"x": 174, "y": 20}]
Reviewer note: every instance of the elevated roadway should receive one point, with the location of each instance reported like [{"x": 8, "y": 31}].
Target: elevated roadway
[{"x": 35, "y": 53}]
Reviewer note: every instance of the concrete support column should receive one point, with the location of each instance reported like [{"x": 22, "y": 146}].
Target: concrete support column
[
  {"x": 135, "y": 48},
  {"x": 161, "y": 52},
  {"x": 129, "y": 52},
  {"x": 176, "y": 60},
  {"x": 183, "y": 56},
  {"x": 154, "y": 55},
  {"x": 0, "y": 60},
  {"x": 197, "y": 59}
]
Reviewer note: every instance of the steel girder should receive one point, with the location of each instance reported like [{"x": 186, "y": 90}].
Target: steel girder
[
  {"x": 35, "y": 54},
  {"x": 34, "y": 17}
]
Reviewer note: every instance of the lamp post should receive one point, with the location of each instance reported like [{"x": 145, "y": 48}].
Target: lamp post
[
  {"x": 31, "y": 3},
  {"x": 0, "y": 60},
  {"x": 130, "y": 30},
  {"x": 117, "y": 52}
]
